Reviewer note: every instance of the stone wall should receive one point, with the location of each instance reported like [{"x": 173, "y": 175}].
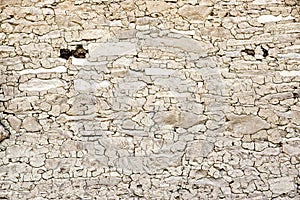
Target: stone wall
[{"x": 136, "y": 99}]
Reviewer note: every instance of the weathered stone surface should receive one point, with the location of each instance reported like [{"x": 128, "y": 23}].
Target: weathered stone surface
[
  {"x": 291, "y": 147},
  {"x": 198, "y": 13},
  {"x": 282, "y": 185},
  {"x": 247, "y": 125},
  {"x": 271, "y": 18},
  {"x": 158, "y": 72},
  {"x": 14, "y": 122},
  {"x": 3, "y": 133},
  {"x": 59, "y": 69},
  {"x": 157, "y": 6},
  {"x": 199, "y": 149},
  {"x": 31, "y": 124},
  {"x": 40, "y": 84},
  {"x": 171, "y": 99},
  {"x": 185, "y": 44},
  {"x": 94, "y": 34},
  {"x": 112, "y": 49}
]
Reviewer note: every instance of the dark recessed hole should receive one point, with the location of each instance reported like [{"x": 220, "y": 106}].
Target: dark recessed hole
[
  {"x": 250, "y": 52},
  {"x": 65, "y": 53},
  {"x": 296, "y": 95},
  {"x": 265, "y": 52},
  {"x": 79, "y": 52}
]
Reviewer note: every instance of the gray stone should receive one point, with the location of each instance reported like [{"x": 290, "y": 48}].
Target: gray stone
[
  {"x": 31, "y": 124},
  {"x": 112, "y": 49}
]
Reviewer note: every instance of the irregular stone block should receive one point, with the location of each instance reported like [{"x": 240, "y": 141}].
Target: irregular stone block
[
  {"x": 134, "y": 164},
  {"x": 94, "y": 34},
  {"x": 112, "y": 49},
  {"x": 247, "y": 125},
  {"x": 14, "y": 122},
  {"x": 157, "y": 6},
  {"x": 59, "y": 69},
  {"x": 272, "y": 18},
  {"x": 36, "y": 84},
  {"x": 198, "y": 13},
  {"x": 159, "y": 72},
  {"x": 292, "y": 147},
  {"x": 3, "y": 133},
  {"x": 198, "y": 149},
  {"x": 282, "y": 185},
  {"x": 85, "y": 62},
  {"x": 37, "y": 50},
  {"x": 289, "y": 73},
  {"x": 31, "y": 124}
]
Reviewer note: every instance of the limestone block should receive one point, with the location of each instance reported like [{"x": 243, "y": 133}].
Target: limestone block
[
  {"x": 189, "y": 119},
  {"x": 94, "y": 34},
  {"x": 292, "y": 147},
  {"x": 14, "y": 122},
  {"x": 37, "y": 50},
  {"x": 3, "y": 133},
  {"x": 271, "y": 18},
  {"x": 36, "y": 84},
  {"x": 85, "y": 62},
  {"x": 112, "y": 49},
  {"x": 199, "y": 148},
  {"x": 198, "y": 13},
  {"x": 37, "y": 160},
  {"x": 157, "y": 6},
  {"x": 282, "y": 185},
  {"x": 185, "y": 44},
  {"x": 31, "y": 124},
  {"x": 247, "y": 125},
  {"x": 134, "y": 164},
  {"x": 158, "y": 72},
  {"x": 59, "y": 69}
]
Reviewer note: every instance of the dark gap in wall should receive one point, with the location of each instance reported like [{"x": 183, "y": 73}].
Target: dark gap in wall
[
  {"x": 265, "y": 52},
  {"x": 250, "y": 52},
  {"x": 79, "y": 52}
]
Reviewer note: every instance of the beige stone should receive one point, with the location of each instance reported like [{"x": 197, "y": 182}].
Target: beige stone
[
  {"x": 282, "y": 185},
  {"x": 157, "y": 6},
  {"x": 15, "y": 123},
  {"x": 31, "y": 124},
  {"x": 247, "y": 125},
  {"x": 3, "y": 133},
  {"x": 195, "y": 13}
]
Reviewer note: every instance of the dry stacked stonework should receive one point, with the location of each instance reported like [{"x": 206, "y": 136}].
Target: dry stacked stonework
[{"x": 174, "y": 99}]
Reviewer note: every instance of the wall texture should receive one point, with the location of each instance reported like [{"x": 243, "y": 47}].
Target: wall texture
[{"x": 149, "y": 99}]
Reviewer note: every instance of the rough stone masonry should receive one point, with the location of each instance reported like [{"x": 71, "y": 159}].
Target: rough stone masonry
[{"x": 132, "y": 99}]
